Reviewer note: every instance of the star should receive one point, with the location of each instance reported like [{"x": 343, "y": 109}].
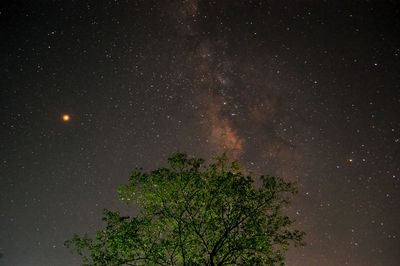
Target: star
[
  {"x": 65, "y": 117},
  {"x": 292, "y": 100}
]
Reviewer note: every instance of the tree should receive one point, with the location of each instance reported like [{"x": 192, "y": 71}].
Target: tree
[{"x": 195, "y": 214}]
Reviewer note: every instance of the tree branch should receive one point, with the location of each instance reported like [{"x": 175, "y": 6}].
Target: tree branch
[
  {"x": 221, "y": 240},
  {"x": 193, "y": 223}
]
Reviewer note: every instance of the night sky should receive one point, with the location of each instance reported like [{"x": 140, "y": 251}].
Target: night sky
[{"x": 305, "y": 90}]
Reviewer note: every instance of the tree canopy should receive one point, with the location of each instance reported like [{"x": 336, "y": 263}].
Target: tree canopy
[{"x": 195, "y": 214}]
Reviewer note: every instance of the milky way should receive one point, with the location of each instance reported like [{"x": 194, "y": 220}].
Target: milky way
[{"x": 305, "y": 90}]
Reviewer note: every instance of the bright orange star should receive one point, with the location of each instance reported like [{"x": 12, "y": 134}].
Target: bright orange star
[
  {"x": 350, "y": 160},
  {"x": 65, "y": 117}
]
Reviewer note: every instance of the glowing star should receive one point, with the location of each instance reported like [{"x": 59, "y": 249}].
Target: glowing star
[
  {"x": 65, "y": 118},
  {"x": 350, "y": 160}
]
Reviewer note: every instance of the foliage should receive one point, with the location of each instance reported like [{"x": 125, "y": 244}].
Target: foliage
[{"x": 195, "y": 214}]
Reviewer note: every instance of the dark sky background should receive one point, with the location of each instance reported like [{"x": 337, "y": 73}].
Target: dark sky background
[{"x": 306, "y": 90}]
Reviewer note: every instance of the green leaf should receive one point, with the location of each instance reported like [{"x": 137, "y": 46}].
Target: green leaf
[{"x": 195, "y": 214}]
